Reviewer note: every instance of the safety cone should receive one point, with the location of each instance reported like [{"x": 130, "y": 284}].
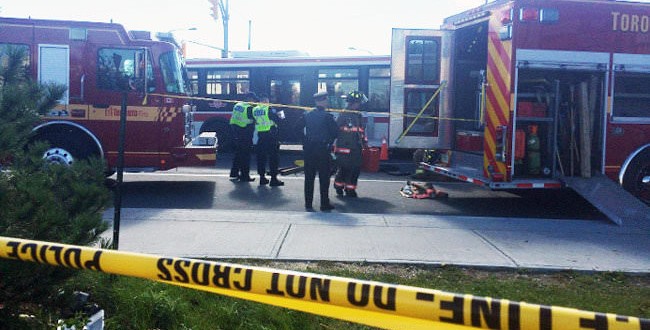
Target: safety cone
[{"x": 383, "y": 155}]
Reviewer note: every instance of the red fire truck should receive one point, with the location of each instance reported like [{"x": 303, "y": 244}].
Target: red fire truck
[
  {"x": 531, "y": 94},
  {"x": 98, "y": 63}
]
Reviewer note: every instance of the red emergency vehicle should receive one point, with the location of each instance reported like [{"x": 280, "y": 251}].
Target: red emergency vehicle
[
  {"x": 98, "y": 63},
  {"x": 530, "y": 94}
]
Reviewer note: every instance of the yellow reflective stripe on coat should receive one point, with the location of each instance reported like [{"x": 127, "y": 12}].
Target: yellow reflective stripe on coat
[{"x": 366, "y": 302}]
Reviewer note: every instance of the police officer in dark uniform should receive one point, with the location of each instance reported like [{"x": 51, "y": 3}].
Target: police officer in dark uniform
[
  {"x": 243, "y": 127},
  {"x": 320, "y": 132}
]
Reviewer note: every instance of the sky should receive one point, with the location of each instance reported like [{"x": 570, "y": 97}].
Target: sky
[{"x": 318, "y": 28}]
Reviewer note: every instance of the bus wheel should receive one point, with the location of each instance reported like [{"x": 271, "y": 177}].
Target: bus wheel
[{"x": 637, "y": 177}]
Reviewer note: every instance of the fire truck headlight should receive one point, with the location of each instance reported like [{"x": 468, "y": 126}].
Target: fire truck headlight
[
  {"x": 549, "y": 15},
  {"x": 186, "y": 108}
]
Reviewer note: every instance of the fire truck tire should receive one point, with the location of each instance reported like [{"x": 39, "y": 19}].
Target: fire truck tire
[
  {"x": 222, "y": 129},
  {"x": 638, "y": 169},
  {"x": 67, "y": 144}
]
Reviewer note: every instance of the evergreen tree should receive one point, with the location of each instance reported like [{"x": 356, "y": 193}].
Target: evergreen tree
[{"x": 48, "y": 202}]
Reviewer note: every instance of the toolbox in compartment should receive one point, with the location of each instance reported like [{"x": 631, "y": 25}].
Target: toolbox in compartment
[
  {"x": 531, "y": 109},
  {"x": 469, "y": 141}
]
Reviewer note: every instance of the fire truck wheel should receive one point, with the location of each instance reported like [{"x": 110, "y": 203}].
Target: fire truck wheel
[
  {"x": 58, "y": 156},
  {"x": 66, "y": 145},
  {"x": 636, "y": 177}
]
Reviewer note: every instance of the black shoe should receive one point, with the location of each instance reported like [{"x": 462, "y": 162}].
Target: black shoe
[
  {"x": 249, "y": 179},
  {"x": 339, "y": 191},
  {"x": 276, "y": 183},
  {"x": 351, "y": 193},
  {"x": 309, "y": 208},
  {"x": 327, "y": 207},
  {"x": 264, "y": 181},
  {"x": 234, "y": 178}
]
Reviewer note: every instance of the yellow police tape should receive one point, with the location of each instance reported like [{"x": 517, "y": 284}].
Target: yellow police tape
[
  {"x": 302, "y": 108},
  {"x": 365, "y": 302}
]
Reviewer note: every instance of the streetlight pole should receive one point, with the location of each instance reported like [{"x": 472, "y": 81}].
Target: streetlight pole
[
  {"x": 226, "y": 18},
  {"x": 222, "y": 8}
]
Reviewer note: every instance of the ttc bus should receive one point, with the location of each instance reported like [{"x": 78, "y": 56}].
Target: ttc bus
[{"x": 290, "y": 82}]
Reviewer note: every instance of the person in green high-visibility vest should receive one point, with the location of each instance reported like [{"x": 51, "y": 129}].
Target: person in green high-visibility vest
[
  {"x": 243, "y": 127},
  {"x": 268, "y": 144}
]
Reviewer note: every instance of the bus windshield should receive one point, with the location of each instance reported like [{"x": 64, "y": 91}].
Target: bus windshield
[{"x": 171, "y": 68}]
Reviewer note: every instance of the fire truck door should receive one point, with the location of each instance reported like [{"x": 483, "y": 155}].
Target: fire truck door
[
  {"x": 420, "y": 61},
  {"x": 54, "y": 66}
]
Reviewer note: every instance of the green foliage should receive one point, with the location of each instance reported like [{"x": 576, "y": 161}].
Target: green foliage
[
  {"x": 21, "y": 102},
  {"x": 39, "y": 201},
  {"x": 132, "y": 303}
]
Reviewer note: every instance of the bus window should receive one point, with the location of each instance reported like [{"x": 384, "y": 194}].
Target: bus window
[
  {"x": 338, "y": 82},
  {"x": 123, "y": 68},
  {"x": 378, "y": 90},
  {"x": 193, "y": 79},
  {"x": 632, "y": 96},
  {"x": 7, "y": 50},
  {"x": 170, "y": 66},
  {"x": 227, "y": 82},
  {"x": 285, "y": 91}
]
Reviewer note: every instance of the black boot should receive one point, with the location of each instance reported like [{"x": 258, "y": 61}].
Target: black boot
[
  {"x": 276, "y": 183},
  {"x": 264, "y": 180},
  {"x": 326, "y": 207}
]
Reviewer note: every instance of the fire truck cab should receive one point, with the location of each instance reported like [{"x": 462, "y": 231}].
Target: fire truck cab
[
  {"x": 104, "y": 67},
  {"x": 531, "y": 94}
]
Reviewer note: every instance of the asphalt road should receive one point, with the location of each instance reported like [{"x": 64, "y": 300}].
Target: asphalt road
[{"x": 210, "y": 188}]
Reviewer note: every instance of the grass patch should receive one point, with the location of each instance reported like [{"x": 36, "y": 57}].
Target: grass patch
[{"x": 132, "y": 303}]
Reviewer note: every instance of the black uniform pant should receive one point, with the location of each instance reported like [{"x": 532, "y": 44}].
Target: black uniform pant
[
  {"x": 267, "y": 149},
  {"x": 242, "y": 142},
  {"x": 317, "y": 160},
  {"x": 349, "y": 168}
]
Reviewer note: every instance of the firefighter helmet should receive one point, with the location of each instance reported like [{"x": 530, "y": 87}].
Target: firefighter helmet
[{"x": 356, "y": 96}]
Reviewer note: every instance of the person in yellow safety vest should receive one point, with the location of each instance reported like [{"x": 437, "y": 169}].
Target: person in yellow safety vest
[
  {"x": 350, "y": 141},
  {"x": 268, "y": 144},
  {"x": 242, "y": 128}
]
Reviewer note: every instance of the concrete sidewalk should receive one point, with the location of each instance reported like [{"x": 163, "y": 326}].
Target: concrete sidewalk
[{"x": 387, "y": 238}]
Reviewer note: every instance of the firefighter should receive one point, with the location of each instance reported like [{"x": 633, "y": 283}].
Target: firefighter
[
  {"x": 266, "y": 124},
  {"x": 242, "y": 127},
  {"x": 350, "y": 141},
  {"x": 320, "y": 132}
]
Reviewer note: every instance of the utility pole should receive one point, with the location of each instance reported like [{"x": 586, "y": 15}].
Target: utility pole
[{"x": 221, "y": 8}]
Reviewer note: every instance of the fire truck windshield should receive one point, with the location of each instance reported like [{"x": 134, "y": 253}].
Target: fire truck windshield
[{"x": 171, "y": 68}]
